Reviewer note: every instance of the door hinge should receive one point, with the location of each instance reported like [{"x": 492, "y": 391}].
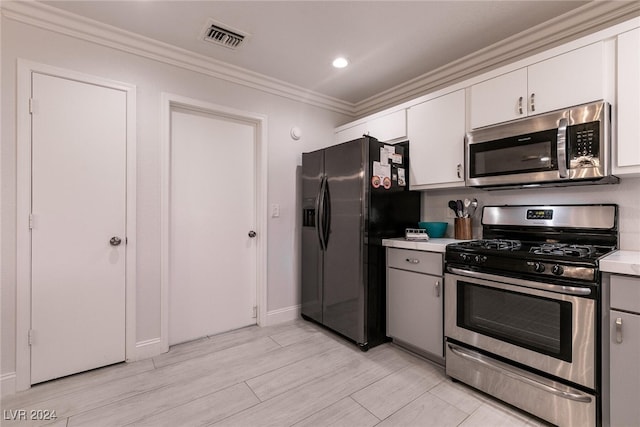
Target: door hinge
[
  {"x": 30, "y": 337},
  {"x": 255, "y": 311},
  {"x": 30, "y": 221},
  {"x": 30, "y": 105}
]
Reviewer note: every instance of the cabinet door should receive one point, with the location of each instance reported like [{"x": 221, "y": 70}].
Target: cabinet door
[
  {"x": 500, "y": 99},
  {"x": 573, "y": 78},
  {"x": 351, "y": 133},
  {"x": 414, "y": 309},
  {"x": 436, "y": 131},
  {"x": 625, "y": 370},
  {"x": 627, "y": 152},
  {"x": 390, "y": 127}
]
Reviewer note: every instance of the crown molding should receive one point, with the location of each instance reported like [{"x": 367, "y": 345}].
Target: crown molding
[
  {"x": 592, "y": 17},
  {"x": 62, "y": 22}
]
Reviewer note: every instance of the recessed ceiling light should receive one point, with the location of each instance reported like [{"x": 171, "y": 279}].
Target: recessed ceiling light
[{"x": 340, "y": 62}]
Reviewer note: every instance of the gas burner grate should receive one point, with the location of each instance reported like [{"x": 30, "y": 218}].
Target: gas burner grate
[
  {"x": 497, "y": 244},
  {"x": 561, "y": 249}
]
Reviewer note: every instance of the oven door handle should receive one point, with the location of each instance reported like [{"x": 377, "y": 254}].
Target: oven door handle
[
  {"x": 561, "y": 289},
  {"x": 504, "y": 369}
]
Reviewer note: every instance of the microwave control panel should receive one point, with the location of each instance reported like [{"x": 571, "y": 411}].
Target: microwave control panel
[{"x": 584, "y": 140}]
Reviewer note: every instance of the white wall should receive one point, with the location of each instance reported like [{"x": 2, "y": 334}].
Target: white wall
[
  {"x": 626, "y": 195},
  {"x": 152, "y": 78}
]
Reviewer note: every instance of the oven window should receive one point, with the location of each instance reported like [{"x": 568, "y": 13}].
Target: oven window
[{"x": 539, "y": 324}]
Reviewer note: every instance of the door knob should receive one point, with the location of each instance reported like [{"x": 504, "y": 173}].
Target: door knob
[
  {"x": 252, "y": 234},
  {"x": 115, "y": 241}
]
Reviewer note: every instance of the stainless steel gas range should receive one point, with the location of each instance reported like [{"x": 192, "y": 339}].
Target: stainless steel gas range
[{"x": 523, "y": 308}]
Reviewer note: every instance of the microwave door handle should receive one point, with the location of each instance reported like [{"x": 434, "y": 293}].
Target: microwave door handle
[{"x": 562, "y": 148}]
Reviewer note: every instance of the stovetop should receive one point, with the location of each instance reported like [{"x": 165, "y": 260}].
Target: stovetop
[
  {"x": 549, "y": 250},
  {"x": 538, "y": 260},
  {"x": 559, "y": 243}
]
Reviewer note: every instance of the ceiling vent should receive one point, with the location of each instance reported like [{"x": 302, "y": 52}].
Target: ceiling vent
[{"x": 223, "y": 35}]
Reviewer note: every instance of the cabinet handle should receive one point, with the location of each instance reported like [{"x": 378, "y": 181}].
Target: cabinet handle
[
  {"x": 532, "y": 102},
  {"x": 619, "y": 330},
  {"x": 413, "y": 260},
  {"x": 459, "y": 170},
  {"x": 520, "y": 105},
  {"x": 437, "y": 288}
]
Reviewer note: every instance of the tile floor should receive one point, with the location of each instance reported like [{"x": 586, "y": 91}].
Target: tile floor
[{"x": 292, "y": 374}]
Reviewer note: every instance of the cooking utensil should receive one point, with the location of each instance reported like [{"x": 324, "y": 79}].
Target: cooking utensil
[
  {"x": 453, "y": 207},
  {"x": 474, "y": 206},
  {"x": 459, "y": 208},
  {"x": 465, "y": 210}
]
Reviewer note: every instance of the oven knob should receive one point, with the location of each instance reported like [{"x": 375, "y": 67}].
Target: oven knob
[
  {"x": 538, "y": 267},
  {"x": 557, "y": 270},
  {"x": 480, "y": 258},
  {"x": 464, "y": 257}
]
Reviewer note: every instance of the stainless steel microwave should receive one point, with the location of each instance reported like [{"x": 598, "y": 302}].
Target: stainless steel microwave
[{"x": 564, "y": 147}]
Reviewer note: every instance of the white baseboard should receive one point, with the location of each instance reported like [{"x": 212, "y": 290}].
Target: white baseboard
[
  {"x": 283, "y": 315},
  {"x": 7, "y": 383},
  {"x": 147, "y": 349}
]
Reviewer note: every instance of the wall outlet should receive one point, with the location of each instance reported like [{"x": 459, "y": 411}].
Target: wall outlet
[{"x": 275, "y": 210}]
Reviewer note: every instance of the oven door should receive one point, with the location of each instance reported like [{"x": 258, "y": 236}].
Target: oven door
[{"x": 547, "y": 327}]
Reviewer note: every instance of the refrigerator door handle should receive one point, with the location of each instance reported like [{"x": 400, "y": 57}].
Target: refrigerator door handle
[
  {"x": 326, "y": 213},
  {"x": 320, "y": 211}
]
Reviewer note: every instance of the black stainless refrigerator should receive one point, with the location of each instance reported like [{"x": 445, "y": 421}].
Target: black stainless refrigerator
[{"x": 353, "y": 195}]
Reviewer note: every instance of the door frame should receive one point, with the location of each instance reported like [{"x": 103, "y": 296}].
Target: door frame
[
  {"x": 168, "y": 102},
  {"x": 23, "y": 209}
]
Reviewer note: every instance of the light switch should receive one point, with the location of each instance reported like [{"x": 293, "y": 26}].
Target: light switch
[{"x": 275, "y": 210}]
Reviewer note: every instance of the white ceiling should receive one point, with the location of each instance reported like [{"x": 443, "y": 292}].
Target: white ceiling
[{"x": 387, "y": 42}]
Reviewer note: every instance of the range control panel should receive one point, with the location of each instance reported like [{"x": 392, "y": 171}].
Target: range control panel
[{"x": 540, "y": 214}]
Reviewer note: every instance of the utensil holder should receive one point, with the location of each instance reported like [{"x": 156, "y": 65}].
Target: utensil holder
[{"x": 463, "y": 228}]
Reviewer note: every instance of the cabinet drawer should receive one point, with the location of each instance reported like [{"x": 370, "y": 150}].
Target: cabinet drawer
[
  {"x": 625, "y": 293},
  {"x": 419, "y": 261}
]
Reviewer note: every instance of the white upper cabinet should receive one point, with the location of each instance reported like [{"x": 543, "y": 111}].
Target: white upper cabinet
[
  {"x": 572, "y": 78},
  {"x": 499, "y": 99},
  {"x": 350, "y": 133},
  {"x": 388, "y": 127},
  {"x": 436, "y": 130},
  {"x": 626, "y": 155}
]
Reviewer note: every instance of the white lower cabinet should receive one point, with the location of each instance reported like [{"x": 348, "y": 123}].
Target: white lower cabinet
[
  {"x": 624, "y": 351},
  {"x": 414, "y": 300}
]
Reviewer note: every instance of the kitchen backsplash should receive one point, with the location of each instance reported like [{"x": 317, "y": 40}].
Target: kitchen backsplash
[{"x": 626, "y": 195}]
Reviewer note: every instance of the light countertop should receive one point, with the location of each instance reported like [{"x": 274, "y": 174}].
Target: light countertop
[
  {"x": 622, "y": 262},
  {"x": 431, "y": 245}
]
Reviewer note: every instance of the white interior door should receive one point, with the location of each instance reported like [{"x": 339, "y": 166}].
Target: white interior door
[
  {"x": 212, "y": 270},
  {"x": 78, "y": 205}
]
